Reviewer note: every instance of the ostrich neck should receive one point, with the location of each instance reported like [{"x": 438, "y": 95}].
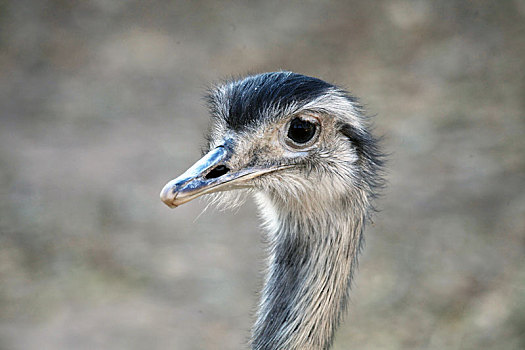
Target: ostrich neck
[{"x": 310, "y": 267}]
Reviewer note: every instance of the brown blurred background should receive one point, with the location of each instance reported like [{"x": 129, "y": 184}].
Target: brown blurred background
[{"x": 101, "y": 105}]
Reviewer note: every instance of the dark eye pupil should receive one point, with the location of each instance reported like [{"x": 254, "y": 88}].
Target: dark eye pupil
[{"x": 301, "y": 131}]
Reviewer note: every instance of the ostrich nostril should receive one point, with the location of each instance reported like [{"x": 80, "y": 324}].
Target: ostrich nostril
[{"x": 217, "y": 172}]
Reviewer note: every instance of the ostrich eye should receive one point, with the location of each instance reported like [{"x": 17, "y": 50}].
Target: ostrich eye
[{"x": 301, "y": 131}]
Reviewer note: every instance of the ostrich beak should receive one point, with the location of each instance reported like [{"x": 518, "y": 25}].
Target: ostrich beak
[{"x": 208, "y": 175}]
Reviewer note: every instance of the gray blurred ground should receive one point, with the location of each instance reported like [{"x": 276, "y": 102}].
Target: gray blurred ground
[{"x": 101, "y": 105}]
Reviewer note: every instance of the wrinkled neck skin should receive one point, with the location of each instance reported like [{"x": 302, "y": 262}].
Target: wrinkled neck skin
[{"x": 311, "y": 260}]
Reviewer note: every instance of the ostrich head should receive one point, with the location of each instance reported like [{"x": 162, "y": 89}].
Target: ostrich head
[{"x": 304, "y": 148}]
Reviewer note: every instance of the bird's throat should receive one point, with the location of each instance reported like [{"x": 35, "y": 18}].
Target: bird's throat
[{"x": 310, "y": 266}]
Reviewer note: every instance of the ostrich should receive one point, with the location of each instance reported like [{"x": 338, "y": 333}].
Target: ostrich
[{"x": 304, "y": 148}]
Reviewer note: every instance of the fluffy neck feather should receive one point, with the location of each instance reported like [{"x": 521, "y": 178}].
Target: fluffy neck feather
[{"x": 311, "y": 261}]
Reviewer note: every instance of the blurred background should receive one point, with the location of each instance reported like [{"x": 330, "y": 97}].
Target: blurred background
[{"x": 101, "y": 105}]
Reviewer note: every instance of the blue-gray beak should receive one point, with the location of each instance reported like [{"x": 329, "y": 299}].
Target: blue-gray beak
[{"x": 208, "y": 175}]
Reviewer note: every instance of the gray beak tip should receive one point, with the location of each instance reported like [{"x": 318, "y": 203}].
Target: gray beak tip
[{"x": 167, "y": 195}]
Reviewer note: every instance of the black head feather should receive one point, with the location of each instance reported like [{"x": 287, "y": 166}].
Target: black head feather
[{"x": 248, "y": 100}]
